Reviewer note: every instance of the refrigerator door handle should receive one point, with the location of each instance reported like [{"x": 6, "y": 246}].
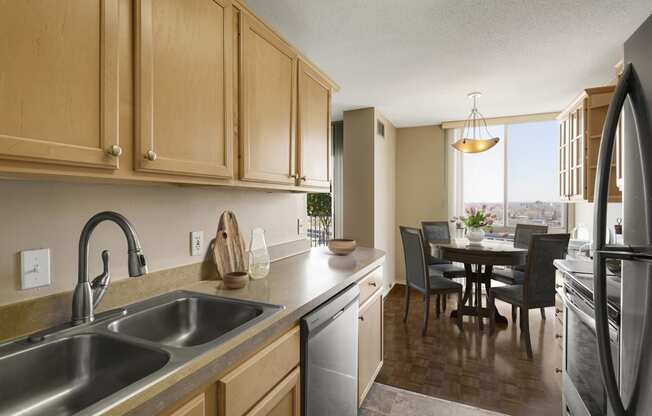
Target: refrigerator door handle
[{"x": 627, "y": 86}]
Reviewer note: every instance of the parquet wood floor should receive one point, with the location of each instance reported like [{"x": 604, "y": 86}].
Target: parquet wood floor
[{"x": 471, "y": 367}]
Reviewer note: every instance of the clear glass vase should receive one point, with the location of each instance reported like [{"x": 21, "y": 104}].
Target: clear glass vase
[{"x": 259, "y": 259}]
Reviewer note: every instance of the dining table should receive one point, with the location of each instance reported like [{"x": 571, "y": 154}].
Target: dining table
[{"x": 479, "y": 260}]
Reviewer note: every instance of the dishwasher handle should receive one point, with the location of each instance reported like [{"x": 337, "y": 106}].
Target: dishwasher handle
[{"x": 330, "y": 310}]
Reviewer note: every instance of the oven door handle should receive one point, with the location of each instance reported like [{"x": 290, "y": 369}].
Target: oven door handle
[{"x": 584, "y": 317}]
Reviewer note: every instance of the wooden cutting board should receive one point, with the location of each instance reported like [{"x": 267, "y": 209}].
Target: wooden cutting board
[{"x": 229, "y": 249}]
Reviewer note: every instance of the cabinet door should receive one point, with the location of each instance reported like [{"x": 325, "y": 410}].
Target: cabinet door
[
  {"x": 268, "y": 105},
  {"x": 59, "y": 82},
  {"x": 184, "y": 87},
  {"x": 313, "y": 128},
  {"x": 370, "y": 344},
  {"x": 577, "y": 152},
  {"x": 564, "y": 147},
  {"x": 283, "y": 400}
]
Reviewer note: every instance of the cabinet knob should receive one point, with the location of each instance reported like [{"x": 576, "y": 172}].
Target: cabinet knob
[
  {"x": 151, "y": 155},
  {"x": 559, "y": 336},
  {"x": 302, "y": 178},
  {"x": 361, "y": 318},
  {"x": 115, "y": 150},
  {"x": 558, "y": 370},
  {"x": 372, "y": 283},
  {"x": 557, "y": 311},
  {"x": 558, "y": 286}
]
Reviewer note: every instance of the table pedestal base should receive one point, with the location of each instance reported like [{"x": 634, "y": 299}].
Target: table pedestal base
[{"x": 475, "y": 278}]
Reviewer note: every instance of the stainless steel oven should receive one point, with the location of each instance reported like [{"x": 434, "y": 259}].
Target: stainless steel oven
[{"x": 584, "y": 392}]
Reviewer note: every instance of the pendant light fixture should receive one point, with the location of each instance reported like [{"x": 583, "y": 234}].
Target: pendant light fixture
[{"x": 476, "y": 137}]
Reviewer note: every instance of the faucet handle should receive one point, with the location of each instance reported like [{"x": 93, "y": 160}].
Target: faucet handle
[{"x": 101, "y": 282}]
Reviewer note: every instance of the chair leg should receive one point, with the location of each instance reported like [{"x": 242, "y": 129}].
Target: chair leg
[
  {"x": 443, "y": 308},
  {"x": 514, "y": 313},
  {"x": 543, "y": 314},
  {"x": 437, "y": 306},
  {"x": 526, "y": 331},
  {"x": 491, "y": 303},
  {"x": 426, "y": 312},
  {"x": 407, "y": 302},
  {"x": 460, "y": 304}
]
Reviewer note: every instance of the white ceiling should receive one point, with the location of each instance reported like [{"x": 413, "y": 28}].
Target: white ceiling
[{"x": 415, "y": 60}]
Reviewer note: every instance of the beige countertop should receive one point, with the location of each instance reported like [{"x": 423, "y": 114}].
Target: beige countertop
[{"x": 299, "y": 283}]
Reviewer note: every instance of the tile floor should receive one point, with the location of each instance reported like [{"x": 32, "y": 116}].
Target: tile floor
[{"x": 384, "y": 400}]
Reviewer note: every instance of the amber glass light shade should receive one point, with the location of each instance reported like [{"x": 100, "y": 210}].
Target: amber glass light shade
[{"x": 475, "y": 145}]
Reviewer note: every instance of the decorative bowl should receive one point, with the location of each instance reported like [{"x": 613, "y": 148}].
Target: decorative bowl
[
  {"x": 341, "y": 246},
  {"x": 235, "y": 280}
]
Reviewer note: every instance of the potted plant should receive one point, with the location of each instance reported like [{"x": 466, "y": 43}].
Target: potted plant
[{"x": 476, "y": 222}]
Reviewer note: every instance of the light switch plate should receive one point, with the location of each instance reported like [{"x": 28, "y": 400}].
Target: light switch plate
[
  {"x": 35, "y": 268},
  {"x": 196, "y": 243}
]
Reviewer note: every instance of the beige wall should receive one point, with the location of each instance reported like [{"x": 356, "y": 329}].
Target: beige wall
[
  {"x": 385, "y": 196},
  {"x": 52, "y": 214},
  {"x": 369, "y": 184},
  {"x": 421, "y": 191},
  {"x": 358, "y": 172}
]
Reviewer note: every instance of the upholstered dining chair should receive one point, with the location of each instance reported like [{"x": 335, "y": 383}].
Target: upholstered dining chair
[
  {"x": 417, "y": 277},
  {"x": 538, "y": 287},
  {"x": 439, "y": 232},
  {"x": 514, "y": 275}
]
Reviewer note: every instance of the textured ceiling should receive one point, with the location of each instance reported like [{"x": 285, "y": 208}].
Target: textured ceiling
[{"x": 415, "y": 60}]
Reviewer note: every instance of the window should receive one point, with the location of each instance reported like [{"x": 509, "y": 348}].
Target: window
[{"x": 516, "y": 179}]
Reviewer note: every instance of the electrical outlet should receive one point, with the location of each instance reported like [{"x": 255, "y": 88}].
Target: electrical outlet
[
  {"x": 196, "y": 243},
  {"x": 34, "y": 268}
]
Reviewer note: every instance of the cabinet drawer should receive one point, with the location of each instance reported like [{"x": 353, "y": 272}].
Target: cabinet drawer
[
  {"x": 195, "y": 407},
  {"x": 283, "y": 400},
  {"x": 370, "y": 284},
  {"x": 241, "y": 389},
  {"x": 370, "y": 344}
]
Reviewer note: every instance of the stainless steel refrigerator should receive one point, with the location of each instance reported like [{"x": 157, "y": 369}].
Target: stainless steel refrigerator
[{"x": 632, "y": 395}]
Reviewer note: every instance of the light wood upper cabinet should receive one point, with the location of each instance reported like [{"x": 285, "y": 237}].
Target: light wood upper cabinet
[
  {"x": 184, "y": 87},
  {"x": 59, "y": 82},
  {"x": 267, "y": 105},
  {"x": 313, "y": 128},
  {"x": 579, "y": 144}
]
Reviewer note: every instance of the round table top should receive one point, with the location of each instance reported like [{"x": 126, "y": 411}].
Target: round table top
[{"x": 488, "y": 252}]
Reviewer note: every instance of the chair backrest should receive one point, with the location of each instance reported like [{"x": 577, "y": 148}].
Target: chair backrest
[
  {"x": 539, "y": 284},
  {"x": 436, "y": 231},
  {"x": 416, "y": 274},
  {"x": 524, "y": 232}
]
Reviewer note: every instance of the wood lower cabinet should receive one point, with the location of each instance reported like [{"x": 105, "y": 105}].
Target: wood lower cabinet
[
  {"x": 59, "y": 82},
  {"x": 283, "y": 400},
  {"x": 267, "y": 104},
  {"x": 314, "y": 144},
  {"x": 184, "y": 87},
  {"x": 370, "y": 343},
  {"x": 254, "y": 385}
]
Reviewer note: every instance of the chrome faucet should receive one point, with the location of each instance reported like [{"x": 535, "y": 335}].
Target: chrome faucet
[{"x": 87, "y": 296}]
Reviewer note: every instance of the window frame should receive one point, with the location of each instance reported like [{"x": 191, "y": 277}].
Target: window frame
[{"x": 459, "y": 163}]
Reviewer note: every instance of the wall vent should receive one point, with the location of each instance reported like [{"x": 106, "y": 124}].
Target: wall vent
[{"x": 380, "y": 128}]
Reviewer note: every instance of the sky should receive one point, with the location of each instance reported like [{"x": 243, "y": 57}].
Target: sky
[{"x": 531, "y": 150}]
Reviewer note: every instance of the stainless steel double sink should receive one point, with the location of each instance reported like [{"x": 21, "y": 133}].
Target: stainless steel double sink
[{"x": 91, "y": 367}]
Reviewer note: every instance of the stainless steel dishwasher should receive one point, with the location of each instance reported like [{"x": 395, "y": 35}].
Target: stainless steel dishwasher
[{"x": 329, "y": 357}]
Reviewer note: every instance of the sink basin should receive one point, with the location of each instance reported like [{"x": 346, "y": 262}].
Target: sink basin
[
  {"x": 188, "y": 320},
  {"x": 65, "y": 376}
]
